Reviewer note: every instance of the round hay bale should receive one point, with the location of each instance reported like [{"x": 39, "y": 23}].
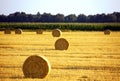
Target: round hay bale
[
  {"x": 61, "y": 44},
  {"x": 7, "y": 31},
  {"x": 107, "y": 32},
  {"x": 36, "y": 67},
  {"x": 39, "y": 31},
  {"x": 18, "y": 31},
  {"x": 56, "y": 33}
]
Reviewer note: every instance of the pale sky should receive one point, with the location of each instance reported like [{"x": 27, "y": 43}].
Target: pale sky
[{"x": 66, "y": 7}]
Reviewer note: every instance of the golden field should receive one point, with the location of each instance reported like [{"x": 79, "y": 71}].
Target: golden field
[{"x": 91, "y": 56}]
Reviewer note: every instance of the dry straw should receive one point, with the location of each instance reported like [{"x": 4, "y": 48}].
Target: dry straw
[
  {"x": 18, "y": 31},
  {"x": 39, "y": 31},
  {"x": 56, "y": 33},
  {"x": 61, "y": 44},
  {"x": 7, "y": 31},
  {"x": 36, "y": 67},
  {"x": 107, "y": 32}
]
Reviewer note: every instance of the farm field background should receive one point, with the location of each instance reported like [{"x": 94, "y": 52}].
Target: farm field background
[
  {"x": 91, "y": 56},
  {"x": 63, "y": 26}
]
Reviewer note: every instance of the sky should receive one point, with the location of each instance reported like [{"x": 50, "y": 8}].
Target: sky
[{"x": 66, "y": 7}]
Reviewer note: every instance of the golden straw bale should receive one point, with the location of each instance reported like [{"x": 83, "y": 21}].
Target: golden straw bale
[
  {"x": 39, "y": 31},
  {"x": 18, "y": 31},
  {"x": 56, "y": 33},
  {"x": 107, "y": 32},
  {"x": 7, "y": 31},
  {"x": 61, "y": 44},
  {"x": 36, "y": 67}
]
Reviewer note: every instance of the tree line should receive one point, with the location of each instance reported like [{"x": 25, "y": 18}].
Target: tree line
[{"x": 48, "y": 17}]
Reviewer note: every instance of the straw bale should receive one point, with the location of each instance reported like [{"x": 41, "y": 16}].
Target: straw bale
[
  {"x": 7, "y": 31},
  {"x": 61, "y": 44},
  {"x": 56, "y": 33},
  {"x": 18, "y": 31},
  {"x": 39, "y": 31},
  {"x": 36, "y": 67},
  {"x": 107, "y": 32}
]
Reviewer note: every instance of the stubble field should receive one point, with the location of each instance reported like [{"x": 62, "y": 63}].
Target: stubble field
[{"x": 91, "y": 56}]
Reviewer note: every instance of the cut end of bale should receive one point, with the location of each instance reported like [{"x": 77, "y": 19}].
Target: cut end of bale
[
  {"x": 18, "y": 31},
  {"x": 56, "y": 33},
  {"x": 36, "y": 67},
  {"x": 61, "y": 44},
  {"x": 39, "y": 31},
  {"x": 7, "y": 31},
  {"x": 107, "y": 32}
]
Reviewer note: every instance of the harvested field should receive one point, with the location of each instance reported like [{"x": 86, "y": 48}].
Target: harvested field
[{"x": 91, "y": 56}]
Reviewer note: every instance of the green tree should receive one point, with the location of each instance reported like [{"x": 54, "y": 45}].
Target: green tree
[
  {"x": 82, "y": 18},
  {"x": 59, "y": 18},
  {"x": 71, "y": 18}
]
